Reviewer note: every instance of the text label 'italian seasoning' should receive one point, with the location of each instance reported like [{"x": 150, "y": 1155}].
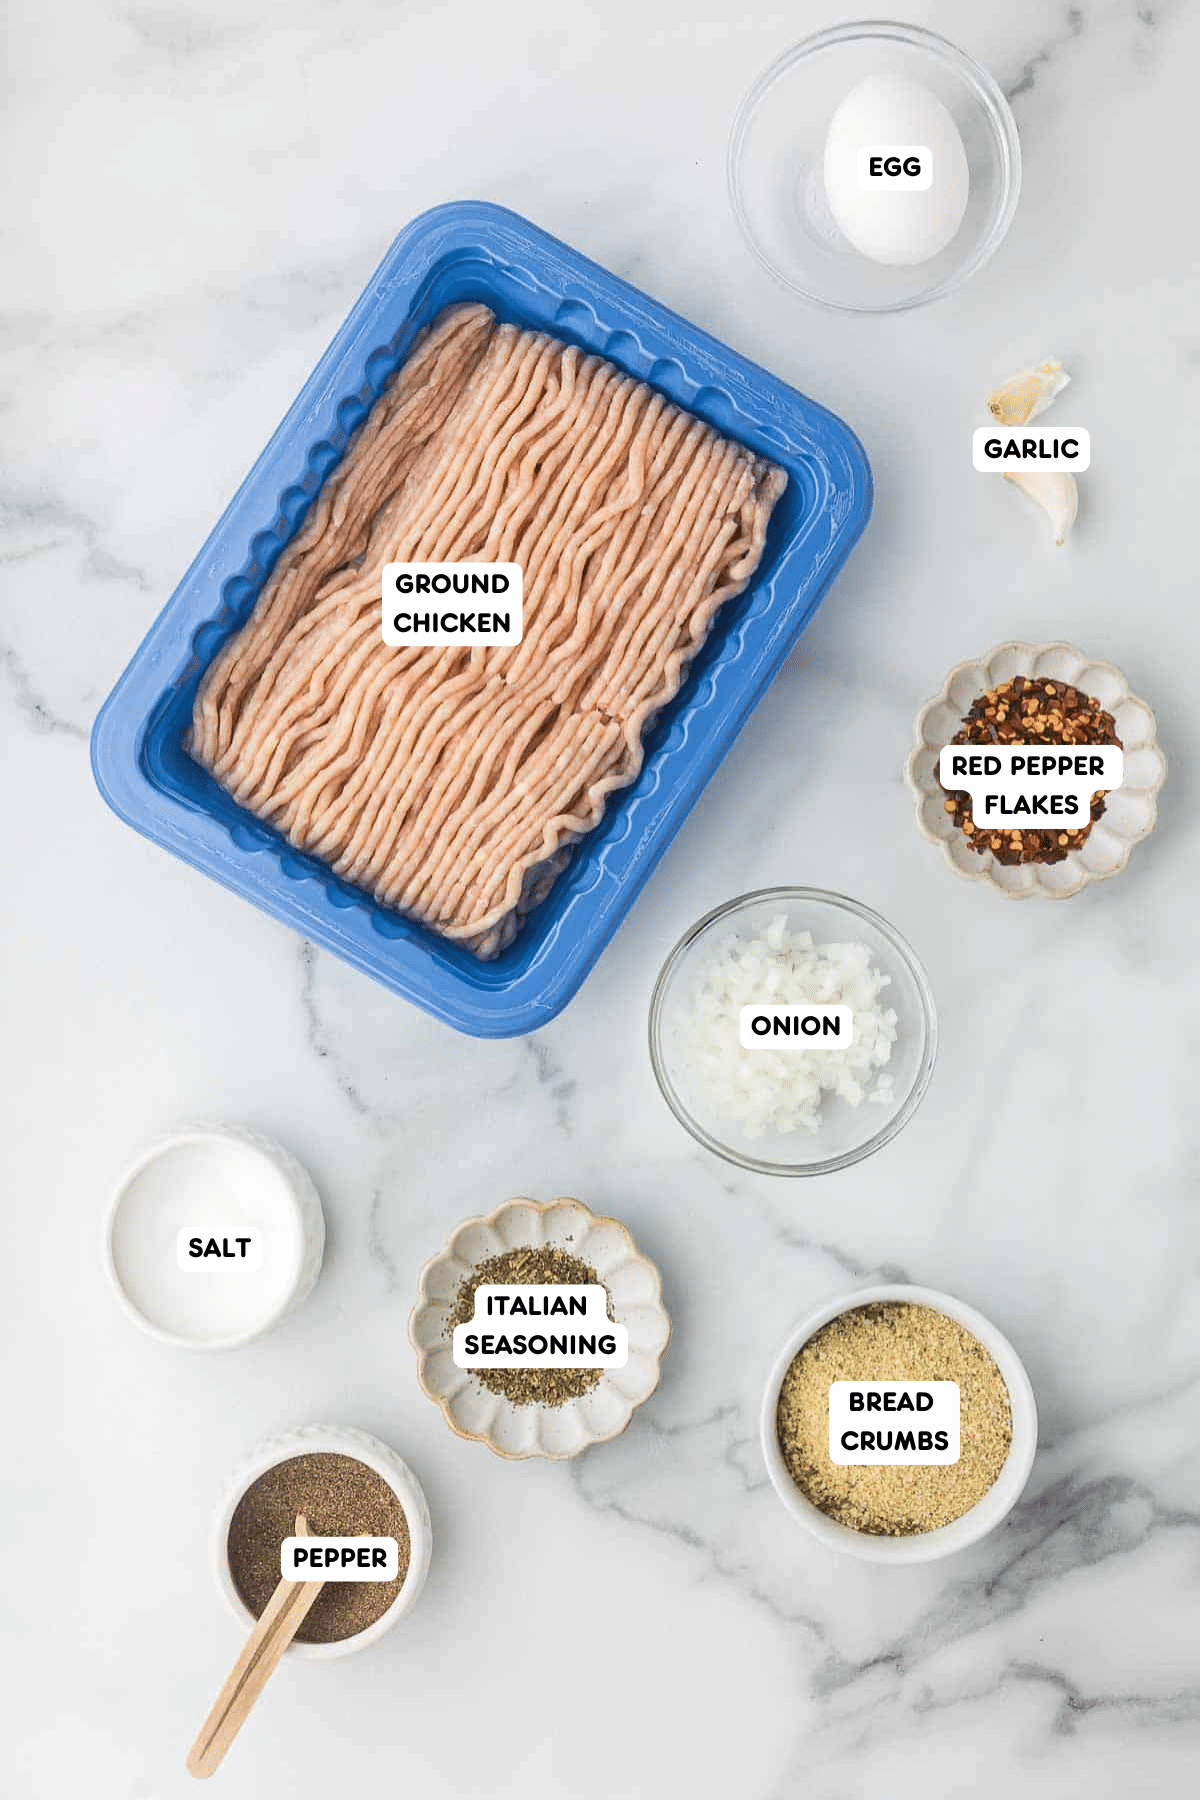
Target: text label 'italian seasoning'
[
  {"x": 452, "y": 605},
  {"x": 550, "y": 1325},
  {"x": 893, "y": 1422},
  {"x": 782, "y": 1025},
  {"x": 1025, "y": 786},
  {"x": 339, "y": 1559}
]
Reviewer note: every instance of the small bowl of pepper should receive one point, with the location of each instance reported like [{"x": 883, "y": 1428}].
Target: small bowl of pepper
[
  {"x": 347, "y": 1484},
  {"x": 1043, "y": 695},
  {"x": 895, "y": 1504}
]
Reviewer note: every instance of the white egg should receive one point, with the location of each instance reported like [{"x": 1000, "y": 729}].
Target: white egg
[{"x": 903, "y": 224}]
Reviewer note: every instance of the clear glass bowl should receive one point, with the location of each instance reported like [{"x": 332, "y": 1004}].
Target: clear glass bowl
[
  {"x": 776, "y": 152},
  {"x": 846, "y": 1133}
]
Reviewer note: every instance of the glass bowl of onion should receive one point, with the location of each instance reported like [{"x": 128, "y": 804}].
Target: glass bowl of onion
[{"x": 793, "y": 1031}]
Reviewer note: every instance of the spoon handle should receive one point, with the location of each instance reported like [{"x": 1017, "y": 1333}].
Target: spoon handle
[{"x": 281, "y": 1619}]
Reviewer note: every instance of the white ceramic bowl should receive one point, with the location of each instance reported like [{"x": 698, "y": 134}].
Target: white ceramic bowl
[
  {"x": 268, "y": 1182},
  {"x": 337, "y": 1440},
  {"x": 986, "y": 1514},
  {"x": 1129, "y": 812},
  {"x": 847, "y": 1133},
  {"x": 775, "y": 165},
  {"x": 555, "y": 1432}
]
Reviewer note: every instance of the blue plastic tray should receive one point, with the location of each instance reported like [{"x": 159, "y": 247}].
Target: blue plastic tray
[{"x": 473, "y": 251}]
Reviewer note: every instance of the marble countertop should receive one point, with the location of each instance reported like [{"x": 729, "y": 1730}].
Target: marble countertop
[{"x": 197, "y": 192}]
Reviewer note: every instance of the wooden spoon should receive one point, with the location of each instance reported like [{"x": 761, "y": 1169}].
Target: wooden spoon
[{"x": 282, "y": 1618}]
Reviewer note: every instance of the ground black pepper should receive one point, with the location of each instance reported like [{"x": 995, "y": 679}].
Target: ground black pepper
[
  {"x": 340, "y": 1497},
  {"x": 1028, "y": 711}
]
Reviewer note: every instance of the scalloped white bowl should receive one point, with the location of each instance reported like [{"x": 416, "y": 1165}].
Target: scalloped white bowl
[
  {"x": 244, "y": 1163},
  {"x": 634, "y": 1285},
  {"x": 337, "y": 1440},
  {"x": 1129, "y": 811}
]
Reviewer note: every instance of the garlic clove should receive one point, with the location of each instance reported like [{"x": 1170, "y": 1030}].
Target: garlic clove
[
  {"x": 1057, "y": 495},
  {"x": 1022, "y": 397}
]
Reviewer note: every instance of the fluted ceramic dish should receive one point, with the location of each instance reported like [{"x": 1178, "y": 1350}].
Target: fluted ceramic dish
[
  {"x": 1129, "y": 811},
  {"x": 634, "y": 1286}
]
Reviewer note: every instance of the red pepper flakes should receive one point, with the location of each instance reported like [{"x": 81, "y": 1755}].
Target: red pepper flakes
[{"x": 1027, "y": 711}]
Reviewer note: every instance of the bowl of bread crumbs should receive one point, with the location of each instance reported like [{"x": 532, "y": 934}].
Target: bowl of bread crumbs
[
  {"x": 1040, "y": 694},
  {"x": 548, "y": 1412},
  {"x": 899, "y": 1511}
]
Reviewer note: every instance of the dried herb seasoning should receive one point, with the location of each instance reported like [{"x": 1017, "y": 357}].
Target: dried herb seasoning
[
  {"x": 340, "y": 1497},
  {"x": 531, "y": 1266},
  {"x": 893, "y": 1341},
  {"x": 1028, "y": 711}
]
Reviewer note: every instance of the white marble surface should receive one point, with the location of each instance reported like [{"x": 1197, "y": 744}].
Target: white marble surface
[{"x": 196, "y": 193}]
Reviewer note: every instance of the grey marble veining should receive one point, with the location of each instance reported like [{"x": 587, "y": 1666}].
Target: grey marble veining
[{"x": 197, "y": 194}]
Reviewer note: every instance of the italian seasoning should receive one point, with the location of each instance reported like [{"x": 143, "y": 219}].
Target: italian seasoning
[
  {"x": 1027, "y": 711},
  {"x": 893, "y": 1341},
  {"x": 533, "y": 1266},
  {"x": 340, "y": 1497}
]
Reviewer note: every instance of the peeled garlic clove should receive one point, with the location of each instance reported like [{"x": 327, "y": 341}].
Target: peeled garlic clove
[
  {"x": 1057, "y": 495},
  {"x": 1022, "y": 397}
]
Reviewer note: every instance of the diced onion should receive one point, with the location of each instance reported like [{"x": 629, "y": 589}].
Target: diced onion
[{"x": 780, "y": 1087}]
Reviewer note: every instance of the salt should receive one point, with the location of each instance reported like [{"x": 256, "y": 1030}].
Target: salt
[{"x": 214, "y": 1186}]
